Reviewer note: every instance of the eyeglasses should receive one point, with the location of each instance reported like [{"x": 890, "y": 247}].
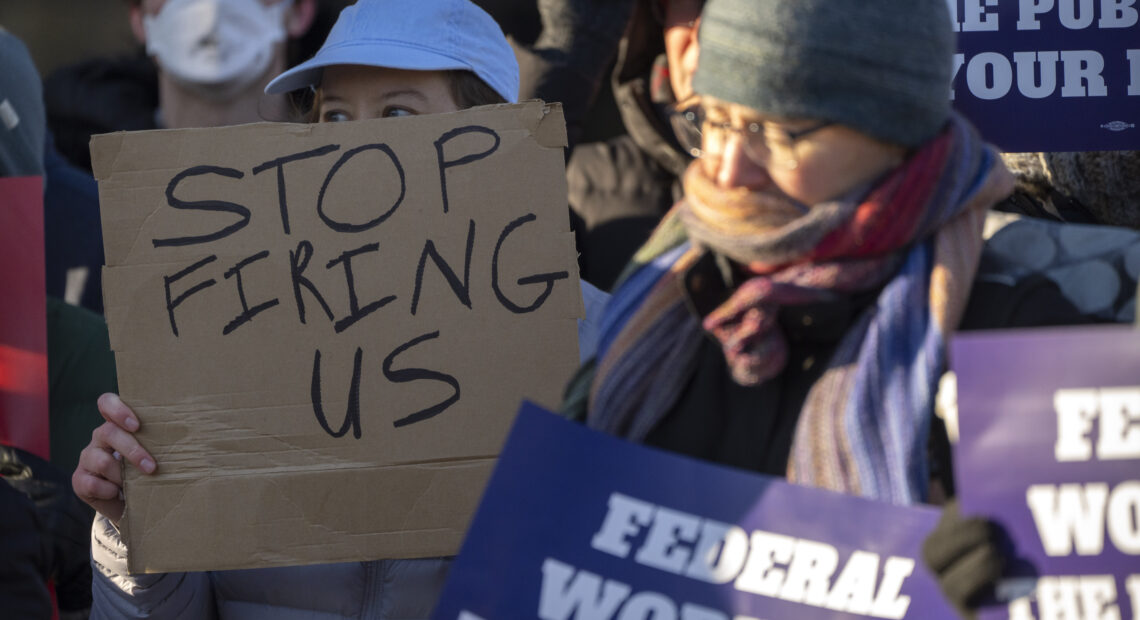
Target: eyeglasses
[{"x": 763, "y": 141}]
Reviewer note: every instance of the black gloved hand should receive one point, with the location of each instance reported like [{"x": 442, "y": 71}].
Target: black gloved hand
[{"x": 965, "y": 556}]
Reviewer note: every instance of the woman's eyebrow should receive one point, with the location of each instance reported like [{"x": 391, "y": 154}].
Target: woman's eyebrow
[{"x": 412, "y": 92}]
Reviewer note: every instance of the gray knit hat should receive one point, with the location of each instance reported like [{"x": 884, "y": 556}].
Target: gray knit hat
[
  {"x": 879, "y": 66},
  {"x": 22, "y": 116}
]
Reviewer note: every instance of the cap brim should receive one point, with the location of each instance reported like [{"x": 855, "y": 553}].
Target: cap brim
[{"x": 372, "y": 53}]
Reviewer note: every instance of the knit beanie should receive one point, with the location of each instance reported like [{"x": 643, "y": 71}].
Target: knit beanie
[
  {"x": 22, "y": 117},
  {"x": 882, "y": 67},
  {"x": 1107, "y": 183}
]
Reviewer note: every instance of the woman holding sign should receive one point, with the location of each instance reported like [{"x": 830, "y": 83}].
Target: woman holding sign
[
  {"x": 791, "y": 314},
  {"x": 382, "y": 58}
]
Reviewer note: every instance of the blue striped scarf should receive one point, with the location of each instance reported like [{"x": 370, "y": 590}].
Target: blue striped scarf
[{"x": 864, "y": 424}]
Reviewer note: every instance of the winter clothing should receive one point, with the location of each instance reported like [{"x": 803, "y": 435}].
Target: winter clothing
[
  {"x": 568, "y": 61},
  {"x": 52, "y": 543},
  {"x": 420, "y": 36},
  {"x": 397, "y": 589},
  {"x": 966, "y": 555},
  {"x": 73, "y": 233},
  {"x": 878, "y": 66},
  {"x": 620, "y": 189},
  {"x": 81, "y": 366},
  {"x": 24, "y": 569},
  {"x": 22, "y": 117},
  {"x": 914, "y": 235},
  {"x": 100, "y": 96}
]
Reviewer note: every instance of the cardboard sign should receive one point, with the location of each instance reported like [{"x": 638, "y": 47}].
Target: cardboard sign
[
  {"x": 579, "y": 524},
  {"x": 23, "y": 317},
  {"x": 1049, "y": 424},
  {"x": 1049, "y": 75},
  {"x": 325, "y": 328}
]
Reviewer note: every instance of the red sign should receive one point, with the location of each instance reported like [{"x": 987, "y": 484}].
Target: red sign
[{"x": 23, "y": 317}]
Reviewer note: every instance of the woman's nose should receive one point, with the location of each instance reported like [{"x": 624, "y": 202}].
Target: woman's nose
[{"x": 735, "y": 168}]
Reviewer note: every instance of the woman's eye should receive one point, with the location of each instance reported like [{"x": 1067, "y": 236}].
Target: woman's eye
[
  {"x": 334, "y": 116},
  {"x": 396, "y": 111}
]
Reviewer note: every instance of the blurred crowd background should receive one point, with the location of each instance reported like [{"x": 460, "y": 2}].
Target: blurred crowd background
[{"x": 64, "y": 32}]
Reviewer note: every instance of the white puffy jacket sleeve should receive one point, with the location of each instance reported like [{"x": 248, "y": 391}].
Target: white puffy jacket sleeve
[{"x": 117, "y": 595}]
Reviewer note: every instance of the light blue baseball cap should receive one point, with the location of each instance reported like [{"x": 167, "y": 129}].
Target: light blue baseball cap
[{"x": 419, "y": 35}]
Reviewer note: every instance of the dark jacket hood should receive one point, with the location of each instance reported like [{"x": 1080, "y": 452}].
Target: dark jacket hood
[
  {"x": 642, "y": 44},
  {"x": 100, "y": 96}
]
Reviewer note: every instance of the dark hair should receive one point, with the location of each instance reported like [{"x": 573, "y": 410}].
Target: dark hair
[
  {"x": 469, "y": 90},
  {"x": 466, "y": 89}
]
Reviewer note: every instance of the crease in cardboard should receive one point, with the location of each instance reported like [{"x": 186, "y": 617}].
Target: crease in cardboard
[
  {"x": 414, "y": 510},
  {"x": 132, "y": 562},
  {"x": 204, "y": 437},
  {"x": 179, "y": 478},
  {"x": 142, "y": 229},
  {"x": 102, "y": 144}
]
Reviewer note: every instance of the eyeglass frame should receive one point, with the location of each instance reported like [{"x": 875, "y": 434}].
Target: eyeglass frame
[{"x": 694, "y": 117}]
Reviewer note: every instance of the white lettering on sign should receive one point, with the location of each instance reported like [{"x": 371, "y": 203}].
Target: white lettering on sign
[
  {"x": 1072, "y": 518},
  {"x": 1028, "y": 10},
  {"x": 990, "y": 75},
  {"x": 1076, "y": 597},
  {"x": 763, "y": 563},
  {"x": 1033, "y": 64},
  {"x": 1132, "y": 586},
  {"x": 1118, "y": 14},
  {"x": 1083, "y": 70},
  {"x": 1114, "y": 411},
  {"x": 975, "y": 16},
  {"x": 1077, "y": 14},
  {"x": 568, "y": 592}
]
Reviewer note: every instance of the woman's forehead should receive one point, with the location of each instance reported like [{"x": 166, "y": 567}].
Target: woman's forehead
[{"x": 365, "y": 81}]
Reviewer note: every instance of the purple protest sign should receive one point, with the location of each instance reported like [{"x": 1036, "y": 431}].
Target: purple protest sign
[
  {"x": 1049, "y": 75},
  {"x": 1049, "y": 447},
  {"x": 578, "y": 524}
]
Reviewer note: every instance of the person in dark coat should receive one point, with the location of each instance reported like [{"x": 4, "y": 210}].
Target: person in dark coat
[
  {"x": 46, "y": 538},
  {"x": 619, "y": 188}
]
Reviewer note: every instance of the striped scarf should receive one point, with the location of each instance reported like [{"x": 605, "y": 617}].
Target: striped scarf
[{"x": 916, "y": 235}]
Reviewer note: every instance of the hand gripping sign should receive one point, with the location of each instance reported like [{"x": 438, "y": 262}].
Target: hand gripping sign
[{"x": 1050, "y": 449}]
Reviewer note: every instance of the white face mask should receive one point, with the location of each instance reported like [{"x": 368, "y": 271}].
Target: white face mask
[{"x": 215, "y": 47}]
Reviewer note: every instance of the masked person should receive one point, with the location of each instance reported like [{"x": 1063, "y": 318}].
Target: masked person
[
  {"x": 44, "y": 533},
  {"x": 383, "y": 58},
  {"x": 206, "y": 62},
  {"x": 213, "y": 59}
]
